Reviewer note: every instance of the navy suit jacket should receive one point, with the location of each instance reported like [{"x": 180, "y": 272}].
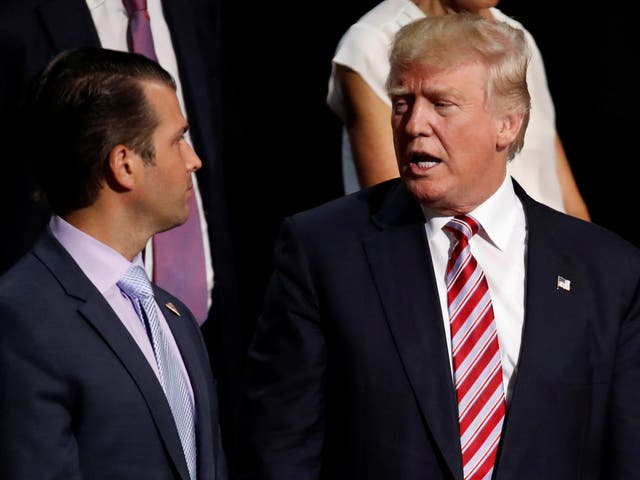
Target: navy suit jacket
[
  {"x": 349, "y": 375},
  {"x": 31, "y": 33},
  {"x": 78, "y": 398}
]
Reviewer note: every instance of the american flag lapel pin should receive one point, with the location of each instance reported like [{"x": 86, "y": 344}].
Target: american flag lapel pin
[
  {"x": 172, "y": 307},
  {"x": 563, "y": 283}
]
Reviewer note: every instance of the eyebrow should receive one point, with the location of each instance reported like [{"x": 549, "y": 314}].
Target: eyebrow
[
  {"x": 434, "y": 90},
  {"x": 397, "y": 90},
  {"x": 181, "y": 132}
]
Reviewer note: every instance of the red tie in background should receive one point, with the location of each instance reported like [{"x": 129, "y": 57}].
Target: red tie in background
[
  {"x": 476, "y": 354},
  {"x": 178, "y": 254}
]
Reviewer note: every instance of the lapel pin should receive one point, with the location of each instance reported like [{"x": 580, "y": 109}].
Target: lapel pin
[
  {"x": 563, "y": 283},
  {"x": 172, "y": 307}
]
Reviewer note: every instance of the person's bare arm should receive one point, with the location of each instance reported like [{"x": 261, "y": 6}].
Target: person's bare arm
[
  {"x": 368, "y": 124},
  {"x": 571, "y": 198}
]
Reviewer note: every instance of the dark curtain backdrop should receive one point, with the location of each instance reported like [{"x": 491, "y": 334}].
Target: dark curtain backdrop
[
  {"x": 589, "y": 57},
  {"x": 282, "y": 143}
]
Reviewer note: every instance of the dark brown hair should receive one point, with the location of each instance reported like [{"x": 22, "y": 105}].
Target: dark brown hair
[{"x": 84, "y": 103}]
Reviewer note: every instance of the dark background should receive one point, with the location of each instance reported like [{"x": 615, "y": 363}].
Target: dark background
[
  {"x": 282, "y": 143},
  {"x": 589, "y": 57}
]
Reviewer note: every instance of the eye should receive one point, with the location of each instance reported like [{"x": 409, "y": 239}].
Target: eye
[
  {"x": 179, "y": 141},
  {"x": 399, "y": 106},
  {"x": 442, "y": 104}
]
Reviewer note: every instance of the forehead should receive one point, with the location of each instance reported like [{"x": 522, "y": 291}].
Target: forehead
[
  {"x": 164, "y": 102},
  {"x": 426, "y": 77}
]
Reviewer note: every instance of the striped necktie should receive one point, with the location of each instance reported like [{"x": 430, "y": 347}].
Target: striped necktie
[
  {"x": 178, "y": 254},
  {"x": 137, "y": 287},
  {"x": 476, "y": 354}
]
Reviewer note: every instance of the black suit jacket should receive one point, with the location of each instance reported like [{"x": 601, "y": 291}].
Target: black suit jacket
[
  {"x": 78, "y": 398},
  {"x": 31, "y": 33},
  {"x": 349, "y": 375}
]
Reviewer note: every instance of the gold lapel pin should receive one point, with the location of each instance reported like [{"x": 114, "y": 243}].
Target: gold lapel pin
[{"x": 172, "y": 307}]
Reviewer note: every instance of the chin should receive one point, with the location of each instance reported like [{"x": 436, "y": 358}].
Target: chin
[
  {"x": 182, "y": 220},
  {"x": 423, "y": 190},
  {"x": 175, "y": 222},
  {"x": 182, "y": 216}
]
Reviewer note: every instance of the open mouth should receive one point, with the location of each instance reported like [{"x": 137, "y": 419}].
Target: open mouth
[{"x": 425, "y": 161}]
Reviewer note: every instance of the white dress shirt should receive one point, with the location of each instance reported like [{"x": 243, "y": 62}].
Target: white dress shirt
[{"x": 499, "y": 248}]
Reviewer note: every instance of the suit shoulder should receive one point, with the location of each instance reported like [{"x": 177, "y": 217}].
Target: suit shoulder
[
  {"x": 589, "y": 240},
  {"x": 27, "y": 275},
  {"x": 348, "y": 211},
  {"x": 589, "y": 233}
]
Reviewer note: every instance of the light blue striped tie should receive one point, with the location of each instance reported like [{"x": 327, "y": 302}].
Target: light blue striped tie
[{"x": 137, "y": 287}]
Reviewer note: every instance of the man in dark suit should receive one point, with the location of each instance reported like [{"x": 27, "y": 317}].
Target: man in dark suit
[
  {"x": 91, "y": 385},
  {"x": 445, "y": 325},
  {"x": 31, "y": 33}
]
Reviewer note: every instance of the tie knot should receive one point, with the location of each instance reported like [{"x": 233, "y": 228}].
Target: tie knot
[
  {"x": 135, "y": 283},
  {"x": 132, "y": 6},
  {"x": 463, "y": 226}
]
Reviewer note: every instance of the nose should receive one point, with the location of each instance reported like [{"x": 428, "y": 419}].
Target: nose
[
  {"x": 192, "y": 160},
  {"x": 420, "y": 118}
]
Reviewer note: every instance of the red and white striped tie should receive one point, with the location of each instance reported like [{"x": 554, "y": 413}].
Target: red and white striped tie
[{"x": 476, "y": 355}]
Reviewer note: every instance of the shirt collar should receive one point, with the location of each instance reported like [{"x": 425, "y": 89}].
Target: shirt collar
[
  {"x": 498, "y": 215},
  {"x": 103, "y": 265}
]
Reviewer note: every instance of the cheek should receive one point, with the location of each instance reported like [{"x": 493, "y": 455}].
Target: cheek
[
  {"x": 470, "y": 149},
  {"x": 399, "y": 140},
  {"x": 477, "y": 136},
  {"x": 396, "y": 127}
]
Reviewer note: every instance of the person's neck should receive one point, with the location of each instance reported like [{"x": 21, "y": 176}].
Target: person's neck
[{"x": 109, "y": 229}]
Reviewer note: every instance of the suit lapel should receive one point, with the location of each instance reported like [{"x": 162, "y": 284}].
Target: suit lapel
[
  {"x": 57, "y": 15},
  {"x": 101, "y": 316},
  {"x": 412, "y": 310},
  {"x": 402, "y": 271},
  {"x": 547, "y": 306}
]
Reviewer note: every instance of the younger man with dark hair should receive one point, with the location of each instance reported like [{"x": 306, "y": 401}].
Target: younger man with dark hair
[{"x": 102, "y": 374}]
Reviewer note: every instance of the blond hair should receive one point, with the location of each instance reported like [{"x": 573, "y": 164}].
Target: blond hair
[{"x": 446, "y": 41}]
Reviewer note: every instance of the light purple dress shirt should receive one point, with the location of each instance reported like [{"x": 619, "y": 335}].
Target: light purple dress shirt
[{"x": 104, "y": 267}]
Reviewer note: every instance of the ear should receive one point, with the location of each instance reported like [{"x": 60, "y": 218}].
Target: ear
[
  {"x": 122, "y": 164},
  {"x": 509, "y": 126}
]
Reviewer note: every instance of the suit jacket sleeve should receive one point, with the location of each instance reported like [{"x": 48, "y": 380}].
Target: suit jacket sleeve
[
  {"x": 284, "y": 410},
  {"x": 35, "y": 424}
]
